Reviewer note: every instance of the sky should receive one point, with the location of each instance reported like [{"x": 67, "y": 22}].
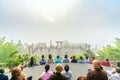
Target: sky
[{"x": 96, "y": 22}]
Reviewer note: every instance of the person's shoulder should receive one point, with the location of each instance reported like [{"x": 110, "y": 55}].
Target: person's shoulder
[
  {"x": 70, "y": 72},
  {"x": 91, "y": 71}
]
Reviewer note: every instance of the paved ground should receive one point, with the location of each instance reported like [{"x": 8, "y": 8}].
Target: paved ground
[{"x": 76, "y": 68}]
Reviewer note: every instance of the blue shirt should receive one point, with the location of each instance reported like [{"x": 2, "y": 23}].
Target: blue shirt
[
  {"x": 66, "y": 60},
  {"x": 58, "y": 60},
  {"x": 3, "y": 77}
]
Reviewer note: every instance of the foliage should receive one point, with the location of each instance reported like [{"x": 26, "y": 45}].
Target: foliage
[
  {"x": 7, "y": 50},
  {"x": 89, "y": 53},
  {"x": 112, "y": 52},
  {"x": 36, "y": 58}
]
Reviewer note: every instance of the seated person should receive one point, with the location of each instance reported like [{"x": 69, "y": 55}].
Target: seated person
[
  {"x": 97, "y": 72},
  {"x": 67, "y": 73},
  {"x": 116, "y": 75},
  {"x": 106, "y": 63},
  {"x": 92, "y": 59},
  {"x": 57, "y": 75},
  {"x": 66, "y": 60},
  {"x": 46, "y": 75},
  {"x": 50, "y": 60},
  {"x": 42, "y": 61},
  {"x": 2, "y": 75},
  {"x": 58, "y": 60},
  {"x": 32, "y": 62},
  {"x": 73, "y": 60},
  {"x": 81, "y": 60},
  {"x": 86, "y": 60}
]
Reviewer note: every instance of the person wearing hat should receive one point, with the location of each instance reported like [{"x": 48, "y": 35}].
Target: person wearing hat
[
  {"x": 97, "y": 73},
  {"x": 73, "y": 59},
  {"x": 2, "y": 75},
  {"x": 116, "y": 75},
  {"x": 58, "y": 75}
]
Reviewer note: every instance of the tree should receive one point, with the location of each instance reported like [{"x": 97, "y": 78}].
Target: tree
[{"x": 112, "y": 52}]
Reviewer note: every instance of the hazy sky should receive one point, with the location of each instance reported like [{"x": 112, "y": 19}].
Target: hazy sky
[{"x": 90, "y": 21}]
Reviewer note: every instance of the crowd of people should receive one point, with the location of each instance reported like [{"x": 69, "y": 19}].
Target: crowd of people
[
  {"x": 64, "y": 72},
  {"x": 58, "y": 59}
]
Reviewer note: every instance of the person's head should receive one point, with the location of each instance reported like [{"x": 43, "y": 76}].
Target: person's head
[
  {"x": 15, "y": 72},
  {"x": 81, "y": 58},
  {"x": 86, "y": 57},
  {"x": 47, "y": 67},
  {"x": 58, "y": 56},
  {"x": 73, "y": 57},
  {"x": 66, "y": 68},
  {"x": 96, "y": 64},
  {"x": 50, "y": 56},
  {"x": 59, "y": 68},
  {"x": 117, "y": 69},
  {"x": 42, "y": 56},
  {"x": 2, "y": 71},
  {"x": 107, "y": 60},
  {"x": 93, "y": 58},
  {"x": 66, "y": 56}
]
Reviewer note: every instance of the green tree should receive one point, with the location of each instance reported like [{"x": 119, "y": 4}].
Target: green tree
[{"x": 112, "y": 52}]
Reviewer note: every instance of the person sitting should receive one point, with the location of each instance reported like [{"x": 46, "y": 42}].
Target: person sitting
[
  {"x": 46, "y": 75},
  {"x": 96, "y": 73},
  {"x": 66, "y": 60},
  {"x": 73, "y": 60},
  {"x": 32, "y": 62},
  {"x": 2, "y": 75},
  {"x": 42, "y": 61},
  {"x": 67, "y": 73},
  {"x": 116, "y": 75},
  {"x": 50, "y": 60},
  {"x": 92, "y": 59},
  {"x": 58, "y": 60},
  {"x": 106, "y": 63},
  {"x": 15, "y": 72},
  {"x": 86, "y": 60},
  {"x": 81, "y": 60},
  {"x": 57, "y": 75}
]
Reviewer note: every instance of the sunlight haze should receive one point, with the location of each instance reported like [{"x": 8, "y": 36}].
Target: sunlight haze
[{"x": 96, "y": 22}]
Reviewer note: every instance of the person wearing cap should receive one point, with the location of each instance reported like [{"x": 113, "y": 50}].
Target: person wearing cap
[
  {"x": 97, "y": 73},
  {"x": 57, "y": 75},
  {"x": 73, "y": 59},
  {"x": 116, "y": 75},
  {"x": 2, "y": 75}
]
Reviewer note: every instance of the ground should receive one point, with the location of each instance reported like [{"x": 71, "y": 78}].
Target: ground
[{"x": 76, "y": 68}]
